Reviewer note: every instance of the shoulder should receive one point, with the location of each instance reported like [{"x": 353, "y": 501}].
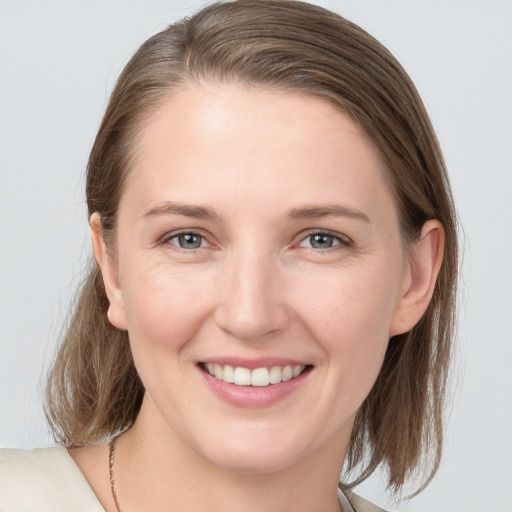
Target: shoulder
[
  {"x": 44, "y": 479},
  {"x": 360, "y": 504}
]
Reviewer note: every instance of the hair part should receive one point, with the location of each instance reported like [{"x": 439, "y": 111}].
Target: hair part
[{"x": 94, "y": 390}]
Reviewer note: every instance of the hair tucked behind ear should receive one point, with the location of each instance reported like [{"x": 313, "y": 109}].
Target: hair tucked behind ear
[{"x": 94, "y": 389}]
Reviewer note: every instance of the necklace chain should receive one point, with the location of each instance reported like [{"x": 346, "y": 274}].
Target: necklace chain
[{"x": 111, "y": 454}]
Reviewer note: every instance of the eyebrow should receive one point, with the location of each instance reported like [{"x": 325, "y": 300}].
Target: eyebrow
[
  {"x": 171, "y": 208},
  {"x": 305, "y": 212},
  {"x": 321, "y": 211}
]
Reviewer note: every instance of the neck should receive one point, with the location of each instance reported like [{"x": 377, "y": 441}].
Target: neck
[{"x": 156, "y": 470}]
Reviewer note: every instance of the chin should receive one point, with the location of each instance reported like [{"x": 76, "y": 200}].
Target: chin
[
  {"x": 247, "y": 461},
  {"x": 253, "y": 454}
]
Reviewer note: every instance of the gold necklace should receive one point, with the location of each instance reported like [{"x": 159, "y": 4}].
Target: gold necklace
[{"x": 111, "y": 453}]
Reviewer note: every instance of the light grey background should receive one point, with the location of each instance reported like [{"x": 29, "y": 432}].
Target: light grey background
[{"x": 58, "y": 63}]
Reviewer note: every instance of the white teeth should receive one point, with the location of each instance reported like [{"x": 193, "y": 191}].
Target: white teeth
[
  {"x": 229, "y": 374},
  {"x": 287, "y": 373},
  {"x": 275, "y": 375},
  {"x": 297, "y": 370},
  {"x": 218, "y": 371},
  {"x": 242, "y": 376},
  {"x": 259, "y": 377}
]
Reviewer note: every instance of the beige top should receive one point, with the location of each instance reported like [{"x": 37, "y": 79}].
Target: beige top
[{"x": 48, "y": 480}]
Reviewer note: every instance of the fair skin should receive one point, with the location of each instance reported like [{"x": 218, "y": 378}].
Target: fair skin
[{"x": 256, "y": 230}]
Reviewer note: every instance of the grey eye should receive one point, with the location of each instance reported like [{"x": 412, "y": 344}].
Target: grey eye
[
  {"x": 187, "y": 241},
  {"x": 322, "y": 241}
]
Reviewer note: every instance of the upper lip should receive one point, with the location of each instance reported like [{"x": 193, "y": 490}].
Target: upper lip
[{"x": 251, "y": 364}]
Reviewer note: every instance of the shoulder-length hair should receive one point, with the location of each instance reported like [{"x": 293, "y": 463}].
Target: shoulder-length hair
[{"x": 94, "y": 390}]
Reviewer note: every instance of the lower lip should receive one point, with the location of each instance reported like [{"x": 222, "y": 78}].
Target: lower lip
[{"x": 253, "y": 396}]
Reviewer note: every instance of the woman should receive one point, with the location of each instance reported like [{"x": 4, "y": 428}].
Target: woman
[{"x": 274, "y": 277}]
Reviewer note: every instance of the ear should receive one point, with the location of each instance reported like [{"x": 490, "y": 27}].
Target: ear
[
  {"x": 420, "y": 278},
  {"x": 116, "y": 311}
]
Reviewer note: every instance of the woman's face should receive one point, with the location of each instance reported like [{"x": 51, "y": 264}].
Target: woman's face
[{"x": 257, "y": 239}]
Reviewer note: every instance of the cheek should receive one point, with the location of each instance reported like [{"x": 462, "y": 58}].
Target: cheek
[
  {"x": 164, "y": 308},
  {"x": 349, "y": 303},
  {"x": 349, "y": 314}
]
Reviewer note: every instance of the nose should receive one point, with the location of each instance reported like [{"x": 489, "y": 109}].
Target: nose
[{"x": 250, "y": 301}]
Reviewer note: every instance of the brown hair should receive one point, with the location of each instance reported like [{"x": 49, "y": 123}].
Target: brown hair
[{"x": 94, "y": 389}]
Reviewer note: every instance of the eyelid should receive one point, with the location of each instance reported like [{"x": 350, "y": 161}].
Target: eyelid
[
  {"x": 343, "y": 240},
  {"x": 186, "y": 231}
]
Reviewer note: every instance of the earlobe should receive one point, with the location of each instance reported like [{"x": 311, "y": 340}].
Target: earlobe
[
  {"x": 116, "y": 311},
  {"x": 424, "y": 266}
]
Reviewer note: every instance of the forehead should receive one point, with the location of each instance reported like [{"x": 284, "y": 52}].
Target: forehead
[
  {"x": 237, "y": 111},
  {"x": 259, "y": 143}
]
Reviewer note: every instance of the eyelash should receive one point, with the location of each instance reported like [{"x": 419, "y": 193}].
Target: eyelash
[
  {"x": 342, "y": 240},
  {"x": 176, "y": 235}
]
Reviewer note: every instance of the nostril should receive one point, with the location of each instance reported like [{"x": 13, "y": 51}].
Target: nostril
[{"x": 250, "y": 324}]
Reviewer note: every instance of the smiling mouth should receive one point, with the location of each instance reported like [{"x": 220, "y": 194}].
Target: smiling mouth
[{"x": 259, "y": 377}]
